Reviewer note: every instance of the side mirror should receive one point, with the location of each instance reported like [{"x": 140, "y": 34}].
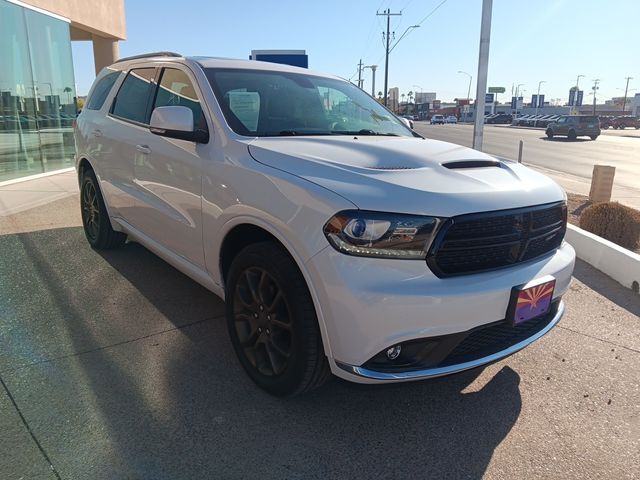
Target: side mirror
[
  {"x": 406, "y": 122},
  {"x": 176, "y": 122}
]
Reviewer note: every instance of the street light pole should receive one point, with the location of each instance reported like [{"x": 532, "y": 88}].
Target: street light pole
[
  {"x": 373, "y": 78},
  {"x": 538, "y": 96},
  {"x": 626, "y": 90},
  {"x": 483, "y": 70},
  {"x": 468, "y": 91}
]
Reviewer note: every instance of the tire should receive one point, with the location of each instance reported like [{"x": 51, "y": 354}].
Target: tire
[
  {"x": 272, "y": 321},
  {"x": 621, "y": 126},
  {"x": 593, "y": 137},
  {"x": 572, "y": 135},
  {"x": 549, "y": 133},
  {"x": 95, "y": 219}
]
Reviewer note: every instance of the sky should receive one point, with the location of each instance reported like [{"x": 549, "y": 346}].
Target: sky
[{"x": 531, "y": 41}]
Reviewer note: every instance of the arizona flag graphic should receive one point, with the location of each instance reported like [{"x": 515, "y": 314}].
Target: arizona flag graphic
[{"x": 534, "y": 301}]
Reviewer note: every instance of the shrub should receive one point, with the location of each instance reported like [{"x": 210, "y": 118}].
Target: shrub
[{"x": 613, "y": 221}]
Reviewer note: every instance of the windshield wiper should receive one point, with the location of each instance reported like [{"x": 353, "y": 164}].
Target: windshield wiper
[
  {"x": 363, "y": 132},
  {"x": 292, "y": 133}
]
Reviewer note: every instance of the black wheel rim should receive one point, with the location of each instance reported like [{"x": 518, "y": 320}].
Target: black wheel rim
[
  {"x": 90, "y": 210},
  {"x": 262, "y": 321}
]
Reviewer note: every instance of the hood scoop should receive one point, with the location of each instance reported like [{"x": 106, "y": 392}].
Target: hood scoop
[{"x": 471, "y": 164}]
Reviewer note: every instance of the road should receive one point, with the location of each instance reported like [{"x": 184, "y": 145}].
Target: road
[
  {"x": 115, "y": 365},
  {"x": 619, "y": 148}
]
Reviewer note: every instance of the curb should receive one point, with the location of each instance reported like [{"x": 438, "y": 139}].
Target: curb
[{"x": 619, "y": 263}]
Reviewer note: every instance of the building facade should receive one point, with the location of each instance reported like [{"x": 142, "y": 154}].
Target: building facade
[{"x": 37, "y": 86}]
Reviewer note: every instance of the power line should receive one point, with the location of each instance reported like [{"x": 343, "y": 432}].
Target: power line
[{"x": 432, "y": 12}]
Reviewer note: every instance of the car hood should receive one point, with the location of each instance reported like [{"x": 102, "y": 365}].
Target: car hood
[{"x": 407, "y": 175}]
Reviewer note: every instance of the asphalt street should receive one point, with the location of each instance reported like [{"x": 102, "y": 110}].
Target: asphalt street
[
  {"x": 619, "y": 148},
  {"x": 115, "y": 365}
]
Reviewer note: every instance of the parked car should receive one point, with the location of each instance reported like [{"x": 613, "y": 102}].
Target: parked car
[
  {"x": 437, "y": 119},
  {"x": 451, "y": 119},
  {"x": 606, "y": 121},
  {"x": 544, "y": 122},
  {"x": 573, "y": 126},
  {"x": 502, "y": 118},
  {"x": 341, "y": 242},
  {"x": 626, "y": 122}
]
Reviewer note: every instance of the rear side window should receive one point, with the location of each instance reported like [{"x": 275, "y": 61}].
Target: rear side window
[
  {"x": 132, "y": 98},
  {"x": 175, "y": 88},
  {"x": 588, "y": 119},
  {"x": 101, "y": 91}
]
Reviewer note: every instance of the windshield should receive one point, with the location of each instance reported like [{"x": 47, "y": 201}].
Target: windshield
[{"x": 269, "y": 103}]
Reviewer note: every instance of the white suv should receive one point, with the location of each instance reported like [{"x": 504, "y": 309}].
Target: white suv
[{"x": 341, "y": 241}]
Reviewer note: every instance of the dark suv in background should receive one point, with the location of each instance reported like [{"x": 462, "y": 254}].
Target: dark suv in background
[{"x": 573, "y": 126}]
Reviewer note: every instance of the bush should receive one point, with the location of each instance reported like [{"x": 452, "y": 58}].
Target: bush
[{"x": 613, "y": 221}]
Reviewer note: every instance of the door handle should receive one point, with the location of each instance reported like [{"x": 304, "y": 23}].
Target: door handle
[
  {"x": 96, "y": 133},
  {"x": 143, "y": 149}
]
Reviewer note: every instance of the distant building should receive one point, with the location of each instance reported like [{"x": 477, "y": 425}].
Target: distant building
[
  {"x": 393, "y": 101},
  {"x": 425, "y": 97},
  {"x": 635, "y": 105}
]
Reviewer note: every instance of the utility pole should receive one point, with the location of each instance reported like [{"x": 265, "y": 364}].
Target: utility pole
[
  {"x": 483, "y": 69},
  {"x": 360, "y": 74},
  {"x": 373, "y": 79},
  {"x": 626, "y": 89},
  {"x": 388, "y": 14},
  {"x": 595, "y": 89}
]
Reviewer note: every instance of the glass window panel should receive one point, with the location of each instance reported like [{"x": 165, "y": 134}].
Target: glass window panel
[
  {"x": 132, "y": 98},
  {"x": 53, "y": 87},
  {"x": 177, "y": 89},
  {"x": 101, "y": 91},
  {"x": 19, "y": 138}
]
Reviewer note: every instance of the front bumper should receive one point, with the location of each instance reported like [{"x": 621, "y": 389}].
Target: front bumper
[
  {"x": 375, "y": 375},
  {"x": 366, "y": 305}
]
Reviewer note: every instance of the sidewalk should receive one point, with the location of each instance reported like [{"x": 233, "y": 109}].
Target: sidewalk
[
  {"x": 19, "y": 195},
  {"x": 581, "y": 186}
]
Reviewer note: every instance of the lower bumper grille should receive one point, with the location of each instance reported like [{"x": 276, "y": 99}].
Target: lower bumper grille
[{"x": 459, "y": 348}]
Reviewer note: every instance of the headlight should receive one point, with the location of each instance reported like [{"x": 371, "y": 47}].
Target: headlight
[{"x": 383, "y": 235}]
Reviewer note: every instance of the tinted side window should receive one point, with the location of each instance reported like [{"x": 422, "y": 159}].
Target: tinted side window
[
  {"x": 131, "y": 101},
  {"x": 175, "y": 88},
  {"x": 101, "y": 91}
]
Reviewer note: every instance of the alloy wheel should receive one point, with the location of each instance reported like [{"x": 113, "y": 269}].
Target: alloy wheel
[
  {"x": 90, "y": 210},
  {"x": 262, "y": 321}
]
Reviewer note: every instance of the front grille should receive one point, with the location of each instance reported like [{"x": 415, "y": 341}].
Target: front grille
[{"x": 487, "y": 241}]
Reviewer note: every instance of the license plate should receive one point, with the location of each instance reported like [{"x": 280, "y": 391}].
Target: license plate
[{"x": 531, "y": 300}]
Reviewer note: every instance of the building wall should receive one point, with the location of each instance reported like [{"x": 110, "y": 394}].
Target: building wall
[
  {"x": 37, "y": 92},
  {"x": 102, "y": 17}
]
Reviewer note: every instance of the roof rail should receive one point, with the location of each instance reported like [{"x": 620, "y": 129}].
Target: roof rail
[{"x": 148, "y": 55}]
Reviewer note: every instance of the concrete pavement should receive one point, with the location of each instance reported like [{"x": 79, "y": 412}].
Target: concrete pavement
[
  {"x": 115, "y": 365},
  {"x": 569, "y": 163}
]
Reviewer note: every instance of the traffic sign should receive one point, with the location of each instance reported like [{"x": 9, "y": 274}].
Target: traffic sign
[
  {"x": 497, "y": 90},
  {"x": 488, "y": 97}
]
